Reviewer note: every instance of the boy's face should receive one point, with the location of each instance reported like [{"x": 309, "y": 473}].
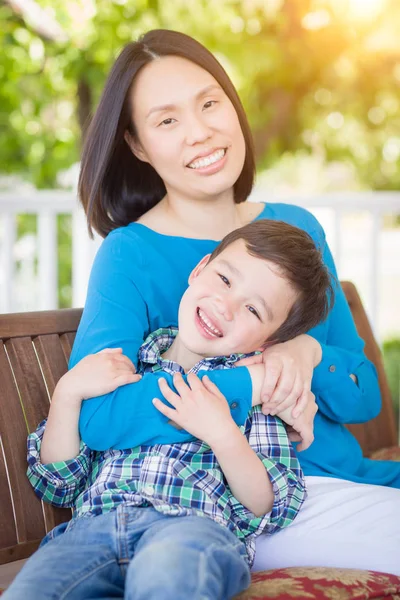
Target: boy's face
[{"x": 233, "y": 304}]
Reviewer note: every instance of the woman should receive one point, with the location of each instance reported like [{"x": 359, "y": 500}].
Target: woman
[{"x": 167, "y": 167}]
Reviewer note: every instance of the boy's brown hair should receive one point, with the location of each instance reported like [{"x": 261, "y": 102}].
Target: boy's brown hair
[{"x": 294, "y": 252}]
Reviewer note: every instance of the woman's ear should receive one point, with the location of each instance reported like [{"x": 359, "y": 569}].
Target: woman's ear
[
  {"x": 135, "y": 147},
  {"x": 198, "y": 268}
]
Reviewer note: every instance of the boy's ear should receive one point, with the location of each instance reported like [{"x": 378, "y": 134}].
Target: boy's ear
[
  {"x": 198, "y": 268},
  {"x": 135, "y": 147}
]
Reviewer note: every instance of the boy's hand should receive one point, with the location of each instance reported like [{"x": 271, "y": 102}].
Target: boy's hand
[
  {"x": 98, "y": 374},
  {"x": 201, "y": 409}
]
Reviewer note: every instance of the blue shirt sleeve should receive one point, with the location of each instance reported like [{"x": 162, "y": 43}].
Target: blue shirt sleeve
[
  {"x": 339, "y": 398},
  {"x": 116, "y": 315}
]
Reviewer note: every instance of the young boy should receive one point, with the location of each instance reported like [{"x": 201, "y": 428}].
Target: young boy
[{"x": 264, "y": 283}]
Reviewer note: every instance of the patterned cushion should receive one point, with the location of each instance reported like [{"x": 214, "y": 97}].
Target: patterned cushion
[
  {"x": 392, "y": 453},
  {"x": 320, "y": 583}
]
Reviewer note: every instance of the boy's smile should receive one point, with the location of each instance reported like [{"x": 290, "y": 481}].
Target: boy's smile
[{"x": 233, "y": 305}]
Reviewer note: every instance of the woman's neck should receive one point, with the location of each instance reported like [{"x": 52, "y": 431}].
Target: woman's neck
[{"x": 207, "y": 218}]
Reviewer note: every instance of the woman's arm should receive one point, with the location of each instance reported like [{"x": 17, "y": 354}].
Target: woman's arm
[
  {"x": 95, "y": 374},
  {"x": 345, "y": 382},
  {"x": 117, "y": 315}
]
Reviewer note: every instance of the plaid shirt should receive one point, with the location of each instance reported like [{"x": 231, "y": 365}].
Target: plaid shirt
[{"x": 177, "y": 479}]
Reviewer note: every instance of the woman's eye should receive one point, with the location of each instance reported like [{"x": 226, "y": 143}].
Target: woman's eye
[
  {"x": 209, "y": 103},
  {"x": 254, "y": 312},
  {"x": 224, "y": 279},
  {"x": 167, "y": 121}
]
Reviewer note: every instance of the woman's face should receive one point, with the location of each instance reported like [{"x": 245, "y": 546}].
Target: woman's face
[{"x": 187, "y": 128}]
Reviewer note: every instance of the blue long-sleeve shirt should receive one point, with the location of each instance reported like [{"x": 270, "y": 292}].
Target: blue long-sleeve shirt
[{"x": 136, "y": 284}]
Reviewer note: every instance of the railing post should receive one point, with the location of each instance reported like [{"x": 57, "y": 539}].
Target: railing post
[
  {"x": 7, "y": 278},
  {"x": 83, "y": 252},
  {"x": 48, "y": 260}
]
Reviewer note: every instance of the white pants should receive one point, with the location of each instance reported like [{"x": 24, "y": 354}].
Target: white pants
[{"x": 341, "y": 524}]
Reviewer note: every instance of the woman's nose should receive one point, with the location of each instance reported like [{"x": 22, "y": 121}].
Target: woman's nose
[{"x": 197, "y": 131}]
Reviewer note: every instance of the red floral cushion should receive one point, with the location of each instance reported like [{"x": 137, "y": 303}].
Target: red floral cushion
[
  {"x": 321, "y": 583},
  {"x": 392, "y": 453}
]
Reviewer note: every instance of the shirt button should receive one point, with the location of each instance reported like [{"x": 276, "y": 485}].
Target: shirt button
[
  {"x": 234, "y": 405},
  {"x": 149, "y": 490},
  {"x": 332, "y": 368}
]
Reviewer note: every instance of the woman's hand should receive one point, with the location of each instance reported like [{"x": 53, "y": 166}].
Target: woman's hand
[
  {"x": 98, "y": 374},
  {"x": 301, "y": 429},
  {"x": 288, "y": 373},
  {"x": 199, "y": 407}
]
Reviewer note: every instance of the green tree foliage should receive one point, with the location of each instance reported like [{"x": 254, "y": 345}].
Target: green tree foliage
[{"x": 319, "y": 76}]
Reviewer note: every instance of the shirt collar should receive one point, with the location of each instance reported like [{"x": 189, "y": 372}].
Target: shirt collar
[{"x": 150, "y": 353}]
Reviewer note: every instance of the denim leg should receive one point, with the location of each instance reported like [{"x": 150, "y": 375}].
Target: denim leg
[
  {"x": 80, "y": 564},
  {"x": 178, "y": 558}
]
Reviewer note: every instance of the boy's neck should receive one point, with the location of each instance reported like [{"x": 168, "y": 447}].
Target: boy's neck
[{"x": 178, "y": 353}]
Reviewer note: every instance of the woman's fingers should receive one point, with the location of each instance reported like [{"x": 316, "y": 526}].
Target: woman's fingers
[
  {"x": 273, "y": 370},
  {"x": 284, "y": 386},
  {"x": 250, "y": 360},
  {"x": 302, "y": 402},
  {"x": 289, "y": 400}
]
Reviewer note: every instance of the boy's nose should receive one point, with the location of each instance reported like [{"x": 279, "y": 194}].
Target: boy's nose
[{"x": 224, "y": 308}]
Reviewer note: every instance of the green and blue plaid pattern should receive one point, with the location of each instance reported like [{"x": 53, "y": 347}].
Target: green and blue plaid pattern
[{"x": 177, "y": 479}]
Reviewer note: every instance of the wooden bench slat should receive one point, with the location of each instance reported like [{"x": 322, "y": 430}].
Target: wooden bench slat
[
  {"x": 52, "y": 360},
  {"x": 34, "y": 397},
  {"x": 39, "y": 323},
  {"x": 8, "y": 532},
  {"x": 29, "y": 522}
]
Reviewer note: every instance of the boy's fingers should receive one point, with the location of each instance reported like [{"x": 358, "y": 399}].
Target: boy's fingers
[
  {"x": 164, "y": 409},
  {"x": 122, "y": 358},
  {"x": 211, "y": 387},
  {"x": 110, "y": 351},
  {"x": 127, "y": 378},
  {"x": 194, "y": 382},
  {"x": 168, "y": 394},
  {"x": 180, "y": 384}
]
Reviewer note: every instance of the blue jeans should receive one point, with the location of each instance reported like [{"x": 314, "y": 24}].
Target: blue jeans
[{"x": 136, "y": 554}]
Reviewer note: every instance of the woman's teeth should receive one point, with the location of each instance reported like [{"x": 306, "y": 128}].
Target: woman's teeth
[
  {"x": 207, "y": 160},
  {"x": 206, "y": 321}
]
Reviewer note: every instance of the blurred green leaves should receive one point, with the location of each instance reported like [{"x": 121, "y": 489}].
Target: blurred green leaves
[{"x": 316, "y": 76}]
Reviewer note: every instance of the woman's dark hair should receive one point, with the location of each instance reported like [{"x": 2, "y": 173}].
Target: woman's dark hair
[
  {"x": 115, "y": 187},
  {"x": 294, "y": 252}
]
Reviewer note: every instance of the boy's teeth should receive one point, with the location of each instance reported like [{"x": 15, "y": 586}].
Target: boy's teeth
[
  {"x": 207, "y": 322},
  {"x": 207, "y": 160}
]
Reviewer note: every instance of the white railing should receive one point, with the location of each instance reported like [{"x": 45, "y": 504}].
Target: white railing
[
  {"x": 333, "y": 210},
  {"x": 47, "y": 205}
]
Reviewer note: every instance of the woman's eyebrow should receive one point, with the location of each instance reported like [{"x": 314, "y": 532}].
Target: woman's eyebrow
[{"x": 199, "y": 94}]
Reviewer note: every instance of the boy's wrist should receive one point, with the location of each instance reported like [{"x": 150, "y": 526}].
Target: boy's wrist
[
  {"x": 65, "y": 394},
  {"x": 224, "y": 439}
]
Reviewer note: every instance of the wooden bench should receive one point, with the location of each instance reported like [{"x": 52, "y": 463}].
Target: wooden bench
[{"x": 34, "y": 352}]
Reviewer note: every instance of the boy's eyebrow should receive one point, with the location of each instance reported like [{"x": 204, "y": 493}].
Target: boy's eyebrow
[
  {"x": 238, "y": 274},
  {"x": 199, "y": 94}
]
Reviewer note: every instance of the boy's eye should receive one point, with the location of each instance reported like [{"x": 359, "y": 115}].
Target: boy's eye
[
  {"x": 167, "y": 121},
  {"x": 224, "y": 279},
  {"x": 209, "y": 103},
  {"x": 253, "y": 311}
]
